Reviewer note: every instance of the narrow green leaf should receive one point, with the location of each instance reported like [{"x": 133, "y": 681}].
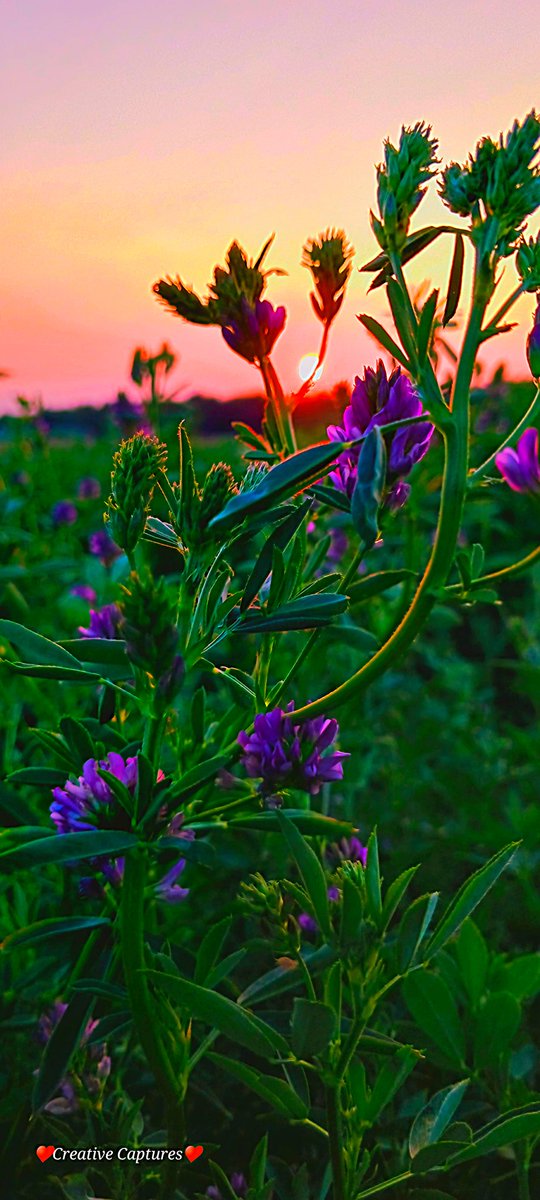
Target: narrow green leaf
[
  {"x": 372, "y": 876},
  {"x": 498, "y": 1021},
  {"x": 279, "y": 538},
  {"x": 414, "y": 926},
  {"x": 379, "y": 333},
  {"x": 210, "y": 948},
  {"x": 469, "y": 895},
  {"x": 38, "y": 649},
  {"x": 456, "y": 280},
  {"x": 313, "y": 823},
  {"x": 374, "y": 584},
  {"x": 310, "y": 869},
  {"x": 48, "y": 777},
  {"x": 287, "y": 478},
  {"x": 50, "y": 928},
  {"x": 390, "y": 1078},
  {"x": 111, "y": 651},
  {"x": 395, "y": 893},
  {"x": 425, "y": 326},
  {"x": 70, "y": 847},
  {"x": 473, "y": 956},
  {"x": 509, "y": 1128},
  {"x": 221, "y": 1013},
  {"x": 275, "y": 1091},
  {"x": 38, "y": 671}
]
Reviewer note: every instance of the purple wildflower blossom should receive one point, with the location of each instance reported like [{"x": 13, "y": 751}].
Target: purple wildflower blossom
[
  {"x": 533, "y": 345},
  {"x": 283, "y": 754},
  {"x": 520, "y": 467},
  {"x": 84, "y": 592},
  {"x": 253, "y": 333},
  {"x": 308, "y": 923},
  {"x": 346, "y": 850},
  {"x": 238, "y": 1183},
  {"x": 88, "y": 488},
  {"x": 103, "y": 547},
  {"x": 64, "y": 513},
  {"x": 380, "y": 400},
  {"x": 104, "y": 622},
  {"x": 97, "y": 1065}
]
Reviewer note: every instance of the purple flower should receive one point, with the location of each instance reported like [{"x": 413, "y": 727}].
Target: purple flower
[
  {"x": 346, "y": 850},
  {"x": 167, "y": 889},
  {"x": 252, "y": 334},
  {"x": 88, "y": 488},
  {"x": 238, "y": 1183},
  {"x": 96, "y": 1065},
  {"x": 520, "y": 467},
  {"x": 308, "y": 923},
  {"x": 64, "y": 513},
  {"x": 103, "y": 547},
  {"x": 285, "y": 755},
  {"x": 533, "y": 345},
  {"x": 379, "y": 400},
  {"x": 104, "y": 622},
  {"x": 84, "y": 592},
  {"x": 90, "y": 802}
]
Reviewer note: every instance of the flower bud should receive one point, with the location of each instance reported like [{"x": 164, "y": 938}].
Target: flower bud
[
  {"x": 136, "y": 466},
  {"x": 330, "y": 261}
]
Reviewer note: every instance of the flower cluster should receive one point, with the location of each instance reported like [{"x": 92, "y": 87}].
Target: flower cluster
[
  {"x": 104, "y": 622},
  {"x": 64, "y": 512},
  {"x": 380, "y": 400},
  {"x": 329, "y": 259},
  {"x": 283, "y": 754},
  {"x": 103, "y": 547},
  {"x": 89, "y": 1080},
  {"x": 88, "y": 488},
  {"x": 400, "y": 183},
  {"x": 136, "y": 466},
  {"x": 520, "y": 467},
  {"x": 90, "y": 803},
  {"x": 253, "y": 331}
]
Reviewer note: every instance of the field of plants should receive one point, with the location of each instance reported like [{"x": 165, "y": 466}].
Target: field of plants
[{"x": 269, "y": 747}]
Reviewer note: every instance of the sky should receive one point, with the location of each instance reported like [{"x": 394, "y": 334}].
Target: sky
[{"x": 142, "y": 138}]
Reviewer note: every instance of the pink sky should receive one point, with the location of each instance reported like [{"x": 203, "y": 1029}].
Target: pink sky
[{"x": 143, "y": 137}]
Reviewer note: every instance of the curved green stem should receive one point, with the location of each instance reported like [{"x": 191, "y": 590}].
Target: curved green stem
[
  {"x": 515, "y": 568},
  {"x": 530, "y": 415},
  {"x": 455, "y": 434},
  {"x": 336, "y": 1142}
]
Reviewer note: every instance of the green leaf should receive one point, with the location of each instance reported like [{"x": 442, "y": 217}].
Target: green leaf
[
  {"x": 455, "y": 281},
  {"x": 368, "y": 490},
  {"x": 372, "y": 876},
  {"x": 469, "y": 896},
  {"x": 432, "y": 1120},
  {"x": 221, "y": 1013},
  {"x": 48, "y": 777},
  {"x": 498, "y": 1020},
  {"x": 312, "y": 823},
  {"x": 510, "y": 1127},
  {"x": 391, "y": 1077},
  {"x": 435, "y": 1155},
  {"x": 192, "y": 780},
  {"x": 37, "y": 648},
  {"x": 380, "y": 334},
  {"x": 49, "y": 928},
  {"x": 275, "y": 1091},
  {"x": 311, "y": 871},
  {"x": 434, "y": 1009},
  {"x": 194, "y": 851},
  {"x": 395, "y": 893},
  {"x": 425, "y": 326},
  {"x": 416, "y": 242},
  {"x": 374, "y": 584},
  {"x": 292, "y": 475},
  {"x": 78, "y": 739},
  {"x": 305, "y": 612},
  {"x": 472, "y": 955},
  {"x": 210, "y": 948},
  {"x": 402, "y": 318},
  {"x": 62, "y": 1044},
  {"x": 413, "y": 928},
  {"x": 70, "y": 847},
  {"x": 313, "y": 1027},
  {"x": 521, "y": 976},
  {"x": 110, "y": 651},
  {"x": 287, "y": 978},
  {"x": 278, "y": 539},
  {"x": 38, "y": 671}
]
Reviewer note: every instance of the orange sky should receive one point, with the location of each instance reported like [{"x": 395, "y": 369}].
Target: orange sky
[{"x": 143, "y": 137}]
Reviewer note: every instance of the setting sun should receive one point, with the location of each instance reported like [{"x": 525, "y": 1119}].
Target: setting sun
[{"x": 306, "y": 365}]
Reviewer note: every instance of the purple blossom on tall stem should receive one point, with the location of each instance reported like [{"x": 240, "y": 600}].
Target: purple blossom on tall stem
[
  {"x": 520, "y": 467},
  {"x": 64, "y": 512},
  {"x": 252, "y": 333},
  {"x": 84, "y": 592},
  {"x": 286, "y": 755},
  {"x": 380, "y": 400},
  {"x": 346, "y": 850},
  {"x": 104, "y": 622}
]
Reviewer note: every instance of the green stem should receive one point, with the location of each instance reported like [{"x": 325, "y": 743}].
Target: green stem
[
  {"x": 522, "y": 1153},
  {"x": 142, "y": 1004},
  {"x": 152, "y": 738},
  {"x": 455, "y": 434},
  {"x": 336, "y": 1142},
  {"x": 516, "y": 568},
  {"x": 383, "y": 1187},
  {"x": 530, "y": 415}
]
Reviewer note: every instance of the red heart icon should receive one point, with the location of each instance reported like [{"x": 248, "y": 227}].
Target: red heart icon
[
  {"x": 44, "y": 1152},
  {"x": 193, "y": 1152}
]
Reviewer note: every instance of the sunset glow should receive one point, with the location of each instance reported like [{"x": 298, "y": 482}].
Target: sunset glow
[{"x": 144, "y": 138}]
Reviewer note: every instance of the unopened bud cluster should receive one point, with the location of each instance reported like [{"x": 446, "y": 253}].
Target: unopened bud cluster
[
  {"x": 401, "y": 181},
  {"x": 136, "y": 466},
  {"x": 528, "y": 263},
  {"x": 148, "y": 624},
  {"x": 329, "y": 258}
]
